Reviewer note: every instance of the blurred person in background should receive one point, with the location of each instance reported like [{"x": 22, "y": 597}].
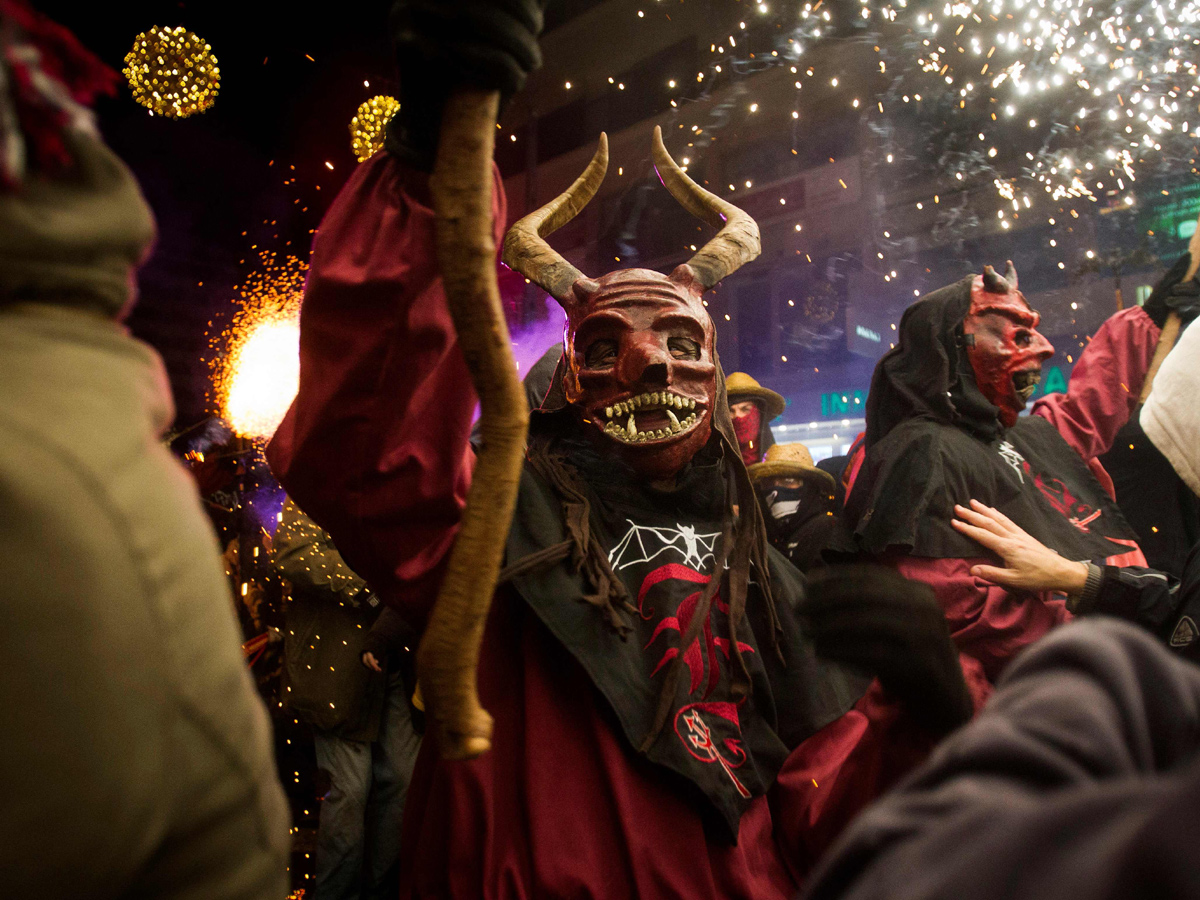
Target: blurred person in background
[
  {"x": 753, "y": 408},
  {"x": 357, "y": 706},
  {"x": 137, "y": 754},
  {"x": 798, "y": 503}
]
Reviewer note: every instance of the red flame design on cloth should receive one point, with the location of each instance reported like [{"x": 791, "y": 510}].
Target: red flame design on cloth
[{"x": 696, "y": 658}]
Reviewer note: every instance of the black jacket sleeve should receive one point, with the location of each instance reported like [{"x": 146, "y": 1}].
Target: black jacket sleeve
[
  {"x": 1164, "y": 606},
  {"x": 1079, "y": 779}
]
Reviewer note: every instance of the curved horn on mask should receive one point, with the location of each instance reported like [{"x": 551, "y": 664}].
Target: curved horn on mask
[
  {"x": 992, "y": 282},
  {"x": 1010, "y": 275},
  {"x": 525, "y": 249},
  {"x": 734, "y": 245}
]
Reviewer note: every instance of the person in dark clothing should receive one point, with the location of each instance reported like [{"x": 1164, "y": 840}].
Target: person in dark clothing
[
  {"x": 943, "y": 427},
  {"x": 797, "y": 501},
  {"x": 1159, "y": 505},
  {"x": 361, "y": 725},
  {"x": 661, "y": 719},
  {"x": 1167, "y": 606},
  {"x": 1080, "y": 780},
  {"x": 753, "y": 408}
]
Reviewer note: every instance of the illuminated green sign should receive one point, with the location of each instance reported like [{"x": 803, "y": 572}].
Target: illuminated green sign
[
  {"x": 1053, "y": 381},
  {"x": 844, "y": 403},
  {"x": 1176, "y": 215}
]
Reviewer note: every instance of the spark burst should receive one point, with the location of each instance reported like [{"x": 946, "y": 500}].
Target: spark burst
[
  {"x": 256, "y": 364},
  {"x": 1070, "y": 99}
]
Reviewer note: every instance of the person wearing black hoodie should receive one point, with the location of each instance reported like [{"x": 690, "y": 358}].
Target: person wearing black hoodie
[{"x": 943, "y": 428}]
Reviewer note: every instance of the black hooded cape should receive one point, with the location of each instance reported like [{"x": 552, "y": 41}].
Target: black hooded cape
[
  {"x": 661, "y": 545},
  {"x": 933, "y": 440}
]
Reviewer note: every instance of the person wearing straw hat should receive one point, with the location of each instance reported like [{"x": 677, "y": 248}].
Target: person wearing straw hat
[
  {"x": 753, "y": 407},
  {"x": 797, "y": 501}
]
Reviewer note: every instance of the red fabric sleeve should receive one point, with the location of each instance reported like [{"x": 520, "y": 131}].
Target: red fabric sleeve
[
  {"x": 987, "y": 622},
  {"x": 1105, "y": 384},
  {"x": 833, "y": 775},
  {"x": 374, "y": 447}
]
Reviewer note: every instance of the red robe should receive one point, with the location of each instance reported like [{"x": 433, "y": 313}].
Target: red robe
[{"x": 375, "y": 449}]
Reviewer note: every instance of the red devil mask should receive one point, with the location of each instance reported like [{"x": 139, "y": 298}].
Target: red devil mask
[
  {"x": 1003, "y": 344},
  {"x": 639, "y": 346}
]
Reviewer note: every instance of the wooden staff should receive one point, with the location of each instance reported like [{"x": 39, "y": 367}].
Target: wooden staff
[
  {"x": 1170, "y": 331},
  {"x": 448, "y": 656}
]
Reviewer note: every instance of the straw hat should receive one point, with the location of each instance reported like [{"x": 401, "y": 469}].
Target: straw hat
[
  {"x": 789, "y": 461},
  {"x": 739, "y": 385}
]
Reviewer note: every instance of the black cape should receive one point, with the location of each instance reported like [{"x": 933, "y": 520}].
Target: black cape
[
  {"x": 933, "y": 440},
  {"x": 661, "y": 545}
]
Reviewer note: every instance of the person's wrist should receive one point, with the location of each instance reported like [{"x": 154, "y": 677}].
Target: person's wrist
[{"x": 1073, "y": 577}]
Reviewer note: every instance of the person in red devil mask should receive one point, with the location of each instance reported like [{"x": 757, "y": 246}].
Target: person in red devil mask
[
  {"x": 753, "y": 407},
  {"x": 944, "y": 426},
  {"x": 662, "y": 724}
]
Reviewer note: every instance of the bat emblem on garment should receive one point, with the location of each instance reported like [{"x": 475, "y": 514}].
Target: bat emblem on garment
[{"x": 645, "y": 544}]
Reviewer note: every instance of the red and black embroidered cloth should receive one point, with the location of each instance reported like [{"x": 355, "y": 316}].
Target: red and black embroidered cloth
[
  {"x": 934, "y": 440},
  {"x": 664, "y": 546}
]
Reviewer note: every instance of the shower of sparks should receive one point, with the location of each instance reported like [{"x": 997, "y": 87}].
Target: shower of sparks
[
  {"x": 1074, "y": 97},
  {"x": 256, "y": 365}
]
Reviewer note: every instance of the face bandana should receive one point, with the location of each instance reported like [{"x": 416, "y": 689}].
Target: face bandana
[
  {"x": 1004, "y": 347},
  {"x": 748, "y": 428},
  {"x": 783, "y": 503}
]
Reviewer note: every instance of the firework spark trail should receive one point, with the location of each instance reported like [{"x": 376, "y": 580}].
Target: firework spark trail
[
  {"x": 1074, "y": 97},
  {"x": 256, "y": 360}
]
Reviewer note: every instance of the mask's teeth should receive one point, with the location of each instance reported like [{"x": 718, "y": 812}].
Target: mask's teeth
[
  {"x": 674, "y": 420},
  {"x": 608, "y": 411},
  {"x": 631, "y": 428}
]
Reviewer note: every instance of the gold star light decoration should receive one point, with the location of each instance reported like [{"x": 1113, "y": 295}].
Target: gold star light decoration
[
  {"x": 366, "y": 128},
  {"x": 172, "y": 72}
]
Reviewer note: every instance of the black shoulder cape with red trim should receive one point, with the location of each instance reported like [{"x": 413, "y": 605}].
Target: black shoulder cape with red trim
[
  {"x": 662, "y": 546},
  {"x": 934, "y": 440}
]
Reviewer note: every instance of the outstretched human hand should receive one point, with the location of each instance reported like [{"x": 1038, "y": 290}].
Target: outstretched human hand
[
  {"x": 1029, "y": 565},
  {"x": 874, "y": 619}
]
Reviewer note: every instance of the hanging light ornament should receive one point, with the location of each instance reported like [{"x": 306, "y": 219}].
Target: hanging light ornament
[
  {"x": 172, "y": 72},
  {"x": 366, "y": 128}
]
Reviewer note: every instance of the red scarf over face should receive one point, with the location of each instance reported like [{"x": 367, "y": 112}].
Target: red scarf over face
[{"x": 748, "y": 428}]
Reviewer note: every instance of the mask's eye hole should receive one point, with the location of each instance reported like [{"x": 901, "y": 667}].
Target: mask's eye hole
[
  {"x": 683, "y": 348},
  {"x": 600, "y": 354},
  {"x": 1022, "y": 338}
]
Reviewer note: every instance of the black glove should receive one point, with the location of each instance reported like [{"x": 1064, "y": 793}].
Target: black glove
[
  {"x": 1173, "y": 294},
  {"x": 442, "y": 45},
  {"x": 871, "y": 618}
]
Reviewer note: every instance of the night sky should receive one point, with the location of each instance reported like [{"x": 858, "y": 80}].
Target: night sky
[{"x": 210, "y": 177}]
